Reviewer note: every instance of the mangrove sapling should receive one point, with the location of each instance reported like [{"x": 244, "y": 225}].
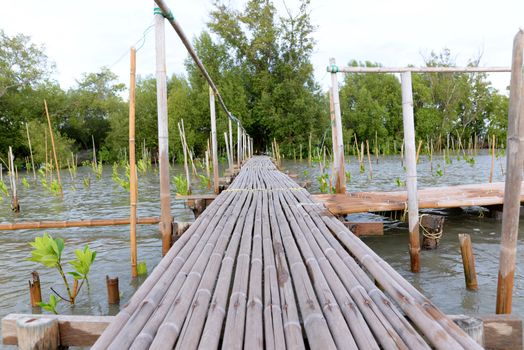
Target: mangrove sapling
[
  {"x": 48, "y": 252},
  {"x": 52, "y": 186},
  {"x": 141, "y": 268},
  {"x": 98, "y": 168},
  {"x": 51, "y": 305},
  {"x": 205, "y": 182},
  {"x": 123, "y": 182},
  {"x": 182, "y": 187},
  {"x": 25, "y": 183},
  {"x": 86, "y": 181}
]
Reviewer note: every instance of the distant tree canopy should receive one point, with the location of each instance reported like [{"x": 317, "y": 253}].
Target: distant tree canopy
[{"x": 261, "y": 62}]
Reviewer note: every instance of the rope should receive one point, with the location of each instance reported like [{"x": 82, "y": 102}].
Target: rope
[
  {"x": 431, "y": 235},
  {"x": 169, "y": 15}
]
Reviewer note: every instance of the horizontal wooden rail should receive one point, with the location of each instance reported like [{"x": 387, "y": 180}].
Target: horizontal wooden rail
[
  {"x": 335, "y": 69},
  {"x": 76, "y": 223},
  {"x": 73, "y": 330}
]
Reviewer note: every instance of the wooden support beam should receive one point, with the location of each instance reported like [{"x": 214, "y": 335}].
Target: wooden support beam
[
  {"x": 502, "y": 332},
  {"x": 514, "y": 164},
  {"x": 73, "y": 330},
  {"x": 163, "y": 147},
  {"x": 239, "y": 146},
  {"x": 411, "y": 174},
  {"x": 371, "y": 228}
]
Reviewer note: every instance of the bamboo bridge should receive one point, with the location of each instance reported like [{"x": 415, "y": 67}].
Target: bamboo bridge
[{"x": 265, "y": 266}]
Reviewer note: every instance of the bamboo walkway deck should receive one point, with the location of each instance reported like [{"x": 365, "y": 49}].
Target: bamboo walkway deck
[
  {"x": 265, "y": 266},
  {"x": 428, "y": 198}
]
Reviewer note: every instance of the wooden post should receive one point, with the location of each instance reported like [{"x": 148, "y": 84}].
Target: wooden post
[
  {"x": 163, "y": 146},
  {"x": 309, "y": 151},
  {"x": 411, "y": 165},
  {"x": 340, "y": 179},
  {"x": 514, "y": 163},
  {"x": 113, "y": 293},
  {"x": 54, "y": 149},
  {"x": 30, "y": 152},
  {"x": 37, "y": 333},
  {"x": 214, "y": 140},
  {"x": 35, "y": 291},
  {"x": 468, "y": 260},
  {"x": 474, "y": 327},
  {"x": 133, "y": 180},
  {"x": 181, "y": 131}
]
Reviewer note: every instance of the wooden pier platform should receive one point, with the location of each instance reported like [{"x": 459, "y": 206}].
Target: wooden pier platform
[
  {"x": 486, "y": 194},
  {"x": 265, "y": 266}
]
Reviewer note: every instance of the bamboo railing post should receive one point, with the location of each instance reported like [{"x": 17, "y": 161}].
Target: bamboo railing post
[
  {"x": 491, "y": 170},
  {"x": 230, "y": 125},
  {"x": 239, "y": 147},
  {"x": 340, "y": 182},
  {"x": 468, "y": 260},
  {"x": 333, "y": 130},
  {"x": 31, "y": 152},
  {"x": 228, "y": 150},
  {"x": 54, "y": 148},
  {"x": 411, "y": 165},
  {"x": 163, "y": 146},
  {"x": 133, "y": 180},
  {"x": 514, "y": 163},
  {"x": 214, "y": 139}
]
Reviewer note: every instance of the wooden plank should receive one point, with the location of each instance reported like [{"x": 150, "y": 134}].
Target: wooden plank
[
  {"x": 74, "y": 330},
  {"x": 365, "y": 228},
  {"x": 502, "y": 332}
]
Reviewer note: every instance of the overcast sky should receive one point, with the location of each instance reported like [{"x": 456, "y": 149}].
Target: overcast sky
[{"x": 82, "y": 36}]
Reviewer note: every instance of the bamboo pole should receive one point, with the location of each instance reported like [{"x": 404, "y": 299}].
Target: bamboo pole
[
  {"x": 35, "y": 291},
  {"x": 184, "y": 147},
  {"x": 163, "y": 139},
  {"x": 333, "y": 129},
  {"x": 133, "y": 180},
  {"x": 113, "y": 294},
  {"x": 309, "y": 152},
  {"x": 422, "y": 69},
  {"x": 514, "y": 163},
  {"x": 411, "y": 164},
  {"x": 94, "y": 150},
  {"x": 76, "y": 223},
  {"x": 369, "y": 160},
  {"x": 239, "y": 147},
  {"x": 468, "y": 261},
  {"x": 229, "y": 162},
  {"x": 418, "y": 150},
  {"x": 214, "y": 140},
  {"x": 15, "y": 205},
  {"x": 230, "y": 125},
  {"x": 492, "y": 169},
  {"x": 54, "y": 149},
  {"x": 30, "y": 151},
  {"x": 340, "y": 179}
]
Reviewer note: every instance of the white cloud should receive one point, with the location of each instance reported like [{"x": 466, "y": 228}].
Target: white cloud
[{"x": 82, "y": 36}]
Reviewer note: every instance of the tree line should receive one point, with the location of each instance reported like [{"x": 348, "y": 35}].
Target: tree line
[{"x": 261, "y": 62}]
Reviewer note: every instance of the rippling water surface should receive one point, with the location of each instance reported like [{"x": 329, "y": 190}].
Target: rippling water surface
[{"x": 441, "y": 277}]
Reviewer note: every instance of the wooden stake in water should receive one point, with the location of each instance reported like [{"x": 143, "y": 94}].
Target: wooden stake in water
[
  {"x": 184, "y": 148},
  {"x": 30, "y": 151},
  {"x": 340, "y": 170},
  {"x": 411, "y": 164},
  {"x": 309, "y": 153},
  {"x": 133, "y": 179},
  {"x": 468, "y": 260},
  {"x": 54, "y": 149},
  {"x": 515, "y": 160},
  {"x": 369, "y": 160}
]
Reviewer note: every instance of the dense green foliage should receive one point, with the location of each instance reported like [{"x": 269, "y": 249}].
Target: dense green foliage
[{"x": 261, "y": 63}]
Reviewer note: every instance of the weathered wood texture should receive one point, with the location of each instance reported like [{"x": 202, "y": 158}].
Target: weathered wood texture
[
  {"x": 73, "y": 330},
  {"x": 434, "y": 197},
  {"x": 265, "y": 266}
]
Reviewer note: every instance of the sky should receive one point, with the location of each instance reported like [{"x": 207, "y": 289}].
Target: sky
[{"x": 82, "y": 36}]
